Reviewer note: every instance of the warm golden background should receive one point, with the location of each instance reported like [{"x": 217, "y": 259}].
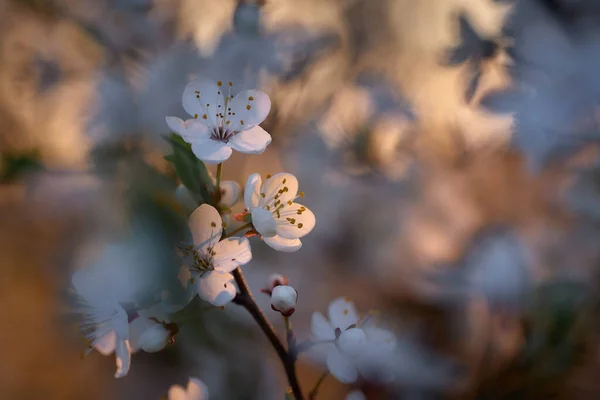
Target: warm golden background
[{"x": 449, "y": 149}]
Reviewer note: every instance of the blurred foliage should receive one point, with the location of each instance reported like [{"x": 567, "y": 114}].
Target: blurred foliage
[
  {"x": 14, "y": 165},
  {"x": 191, "y": 170}
]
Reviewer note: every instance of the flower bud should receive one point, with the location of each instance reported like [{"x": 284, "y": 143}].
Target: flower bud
[
  {"x": 273, "y": 281},
  {"x": 283, "y": 299},
  {"x": 154, "y": 338}
]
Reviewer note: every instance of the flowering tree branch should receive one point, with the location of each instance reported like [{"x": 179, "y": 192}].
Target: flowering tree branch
[{"x": 246, "y": 300}]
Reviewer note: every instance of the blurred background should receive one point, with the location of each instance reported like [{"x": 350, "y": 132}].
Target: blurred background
[{"x": 450, "y": 150}]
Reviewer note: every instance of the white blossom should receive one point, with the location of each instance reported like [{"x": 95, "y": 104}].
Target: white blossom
[
  {"x": 283, "y": 299},
  {"x": 214, "y": 259},
  {"x": 151, "y": 330},
  {"x": 105, "y": 322},
  {"x": 222, "y": 122},
  {"x": 351, "y": 346},
  {"x": 276, "y": 217},
  {"x": 195, "y": 390}
]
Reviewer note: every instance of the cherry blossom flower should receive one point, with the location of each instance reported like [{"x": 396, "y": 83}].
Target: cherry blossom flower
[
  {"x": 350, "y": 345},
  {"x": 195, "y": 390},
  {"x": 105, "y": 322},
  {"x": 283, "y": 299},
  {"x": 214, "y": 259},
  {"x": 280, "y": 221},
  {"x": 222, "y": 122}
]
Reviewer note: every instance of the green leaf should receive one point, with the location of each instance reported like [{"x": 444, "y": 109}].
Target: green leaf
[
  {"x": 191, "y": 171},
  {"x": 12, "y": 166}
]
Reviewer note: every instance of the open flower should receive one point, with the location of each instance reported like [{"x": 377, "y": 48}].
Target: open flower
[
  {"x": 350, "y": 346},
  {"x": 222, "y": 122},
  {"x": 214, "y": 259},
  {"x": 151, "y": 330},
  {"x": 195, "y": 390},
  {"x": 105, "y": 324},
  {"x": 280, "y": 221}
]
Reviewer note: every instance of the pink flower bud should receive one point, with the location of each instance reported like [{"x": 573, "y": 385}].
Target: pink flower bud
[
  {"x": 283, "y": 299},
  {"x": 273, "y": 281}
]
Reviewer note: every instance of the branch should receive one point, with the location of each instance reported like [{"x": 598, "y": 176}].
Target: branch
[{"x": 246, "y": 300}]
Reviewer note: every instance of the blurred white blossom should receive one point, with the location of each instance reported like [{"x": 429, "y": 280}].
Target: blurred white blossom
[{"x": 195, "y": 390}]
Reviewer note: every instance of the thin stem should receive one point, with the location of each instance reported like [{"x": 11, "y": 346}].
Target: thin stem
[
  {"x": 238, "y": 229},
  {"x": 219, "y": 172},
  {"x": 315, "y": 390},
  {"x": 246, "y": 299}
]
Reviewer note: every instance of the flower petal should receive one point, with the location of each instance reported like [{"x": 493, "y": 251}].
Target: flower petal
[
  {"x": 352, "y": 341},
  {"x": 231, "y": 253},
  {"x": 281, "y": 244},
  {"x": 230, "y": 193},
  {"x": 216, "y": 288},
  {"x": 196, "y": 390},
  {"x": 341, "y": 366},
  {"x": 251, "y": 141},
  {"x": 123, "y": 358},
  {"x": 263, "y": 222},
  {"x": 249, "y": 108},
  {"x": 211, "y": 151},
  {"x": 107, "y": 343},
  {"x": 294, "y": 221},
  {"x": 274, "y": 189},
  {"x": 342, "y": 313},
  {"x": 252, "y": 191},
  {"x": 176, "y": 125},
  {"x": 202, "y": 97},
  {"x": 321, "y": 328},
  {"x": 206, "y": 227},
  {"x": 137, "y": 327}
]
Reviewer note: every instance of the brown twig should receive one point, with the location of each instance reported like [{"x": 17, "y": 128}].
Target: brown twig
[{"x": 246, "y": 300}]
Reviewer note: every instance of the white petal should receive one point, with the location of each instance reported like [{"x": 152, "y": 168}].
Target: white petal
[
  {"x": 195, "y": 131},
  {"x": 231, "y": 253},
  {"x": 321, "y": 328},
  {"x": 123, "y": 358},
  {"x": 211, "y": 151},
  {"x": 252, "y": 191},
  {"x": 263, "y": 222},
  {"x": 352, "y": 341},
  {"x": 120, "y": 323},
  {"x": 176, "y": 392},
  {"x": 251, "y": 112},
  {"x": 206, "y": 101},
  {"x": 196, "y": 390},
  {"x": 176, "y": 125},
  {"x": 284, "y": 298},
  {"x": 356, "y": 395},
  {"x": 276, "y": 186},
  {"x": 107, "y": 343},
  {"x": 206, "y": 226},
  {"x": 154, "y": 339},
  {"x": 381, "y": 339},
  {"x": 216, "y": 288},
  {"x": 342, "y": 313},
  {"x": 136, "y": 328},
  {"x": 291, "y": 225},
  {"x": 281, "y": 244},
  {"x": 252, "y": 141},
  {"x": 341, "y": 366},
  {"x": 230, "y": 193}
]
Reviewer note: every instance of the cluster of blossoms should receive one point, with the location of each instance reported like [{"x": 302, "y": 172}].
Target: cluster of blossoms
[{"x": 212, "y": 261}]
